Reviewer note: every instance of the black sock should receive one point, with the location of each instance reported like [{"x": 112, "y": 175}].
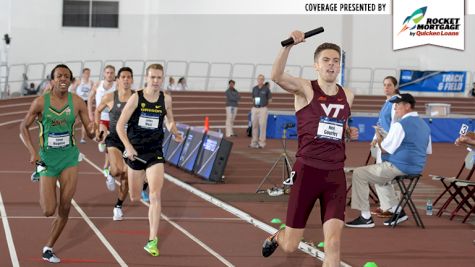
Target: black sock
[
  {"x": 118, "y": 204},
  {"x": 145, "y": 185}
]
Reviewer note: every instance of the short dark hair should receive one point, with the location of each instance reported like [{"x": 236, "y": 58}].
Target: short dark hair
[
  {"x": 231, "y": 81},
  {"x": 63, "y": 67},
  {"x": 326, "y": 46},
  {"x": 125, "y": 69}
]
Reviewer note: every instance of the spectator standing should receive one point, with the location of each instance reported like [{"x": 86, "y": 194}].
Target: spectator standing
[{"x": 232, "y": 100}]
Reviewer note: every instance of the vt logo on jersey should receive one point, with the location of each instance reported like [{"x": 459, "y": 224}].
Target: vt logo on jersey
[{"x": 328, "y": 109}]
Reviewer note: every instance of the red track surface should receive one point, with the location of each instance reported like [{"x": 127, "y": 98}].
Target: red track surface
[{"x": 442, "y": 243}]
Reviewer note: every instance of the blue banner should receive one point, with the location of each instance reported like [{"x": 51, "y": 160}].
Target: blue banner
[{"x": 433, "y": 81}]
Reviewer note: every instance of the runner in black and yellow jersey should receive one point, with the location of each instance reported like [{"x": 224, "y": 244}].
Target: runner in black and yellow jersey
[{"x": 144, "y": 114}]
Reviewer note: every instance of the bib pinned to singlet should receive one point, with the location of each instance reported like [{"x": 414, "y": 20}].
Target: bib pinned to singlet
[
  {"x": 149, "y": 121},
  {"x": 330, "y": 129},
  {"x": 58, "y": 140}
]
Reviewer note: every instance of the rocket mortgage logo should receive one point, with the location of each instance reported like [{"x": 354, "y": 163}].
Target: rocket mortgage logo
[
  {"x": 424, "y": 26},
  {"x": 432, "y": 26}
]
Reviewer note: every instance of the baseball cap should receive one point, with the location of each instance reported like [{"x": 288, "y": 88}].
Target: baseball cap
[{"x": 408, "y": 98}]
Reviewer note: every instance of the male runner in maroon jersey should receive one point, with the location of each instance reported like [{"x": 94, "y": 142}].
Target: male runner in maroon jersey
[{"x": 322, "y": 110}]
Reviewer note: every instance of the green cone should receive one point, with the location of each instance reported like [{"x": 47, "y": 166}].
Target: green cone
[{"x": 370, "y": 264}]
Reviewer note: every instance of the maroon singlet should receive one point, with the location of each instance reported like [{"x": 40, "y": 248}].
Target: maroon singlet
[{"x": 320, "y": 151}]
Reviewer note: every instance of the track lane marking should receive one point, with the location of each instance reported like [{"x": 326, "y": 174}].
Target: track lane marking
[
  {"x": 8, "y": 234},
  {"x": 177, "y": 226}
]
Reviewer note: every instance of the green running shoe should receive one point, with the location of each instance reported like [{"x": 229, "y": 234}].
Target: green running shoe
[{"x": 152, "y": 248}]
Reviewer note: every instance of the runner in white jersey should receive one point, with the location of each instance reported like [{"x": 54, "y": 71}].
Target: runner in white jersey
[
  {"x": 95, "y": 96},
  {"x": 82, "y": 87}
]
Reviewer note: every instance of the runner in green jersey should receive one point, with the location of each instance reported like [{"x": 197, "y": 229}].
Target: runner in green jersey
[{"x": 55, "y": 113}]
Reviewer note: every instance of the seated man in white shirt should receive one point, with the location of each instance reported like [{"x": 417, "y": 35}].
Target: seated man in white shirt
[{"x": 404, "y": 151}]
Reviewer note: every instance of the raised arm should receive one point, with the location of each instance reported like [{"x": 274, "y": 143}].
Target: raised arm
[
  {"x": 278, "y": 75},
  {"x": 34, "y": 112}
]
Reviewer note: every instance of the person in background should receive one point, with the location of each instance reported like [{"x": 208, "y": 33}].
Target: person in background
[
  {"x": 82, "y": 87},
  {"x": 261, "y": 97},
  {"x": 171, "y": 84},
  {"x": 387, "y": 116},
  {"x": 232, "y": 100},
  {"x": 404, "y": 151},
  {"x": 182, "y": 86}
]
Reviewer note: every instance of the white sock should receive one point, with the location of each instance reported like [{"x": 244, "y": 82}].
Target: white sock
[
  {"x": 45, "y": 248},
  {"x": 366, "y": 214}
]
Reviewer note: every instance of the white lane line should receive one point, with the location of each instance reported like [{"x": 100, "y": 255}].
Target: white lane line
[
  {"x": 99, "y": 234},
  {"x": 177, "y": 226},
  {"x": 32, "y": 169},
  {"x": 13, "y": 113},
  {"x": 15, "y": 105},
  {"x": 8, "y": 234},
  {"x": 10, "y": 122},
  {"x": 245, "y": 216},
  {"x": 127, "y": 218}
]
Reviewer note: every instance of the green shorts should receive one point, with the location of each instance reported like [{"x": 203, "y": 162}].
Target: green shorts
[{"x": 58, "y": 159}]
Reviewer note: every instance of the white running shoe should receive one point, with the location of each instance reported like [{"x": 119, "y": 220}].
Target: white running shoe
[
  {"x": 110, "y": 183},
  {"x": 118, "y": 215},
  {"x": 49, "y": 256}
]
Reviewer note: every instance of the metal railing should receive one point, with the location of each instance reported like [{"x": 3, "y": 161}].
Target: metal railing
[{"x": 202, "y": 75}]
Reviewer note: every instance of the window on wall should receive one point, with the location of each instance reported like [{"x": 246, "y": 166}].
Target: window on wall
[{"x": 90, "y": 13}]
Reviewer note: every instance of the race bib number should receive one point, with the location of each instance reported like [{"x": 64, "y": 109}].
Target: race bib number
[
  {"x": 148, "y": 122},
  {"x": 330, "y": 129},
  {"x": 58, "y": 140}
]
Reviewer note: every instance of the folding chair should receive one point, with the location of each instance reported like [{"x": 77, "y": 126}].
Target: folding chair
[
  {"x": 450, "y": 188},
  {"x": 469, "y": 194},
  {"x": 406, "y": 193},
  {"x": 372, "y": 194}
]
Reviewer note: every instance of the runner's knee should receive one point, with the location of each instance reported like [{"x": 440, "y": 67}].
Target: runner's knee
[
  {"x": 48, "y": 211},
  {"x": 154, "y": 197},
  {"x": 116, "y": 172}
]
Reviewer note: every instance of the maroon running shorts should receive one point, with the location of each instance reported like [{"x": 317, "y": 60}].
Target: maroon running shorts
[{"x": 311, "y": 184}]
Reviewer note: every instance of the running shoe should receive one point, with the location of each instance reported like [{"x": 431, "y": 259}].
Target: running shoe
[
  {"x": 35, "y": 177},
  {"x": 145, "y": 196},
  {"x": 82, "y": 141},
  {"x": 270, "y": 245},
  {"x": 118, "y": 215},
  {"x": 152, "y": 248},
  {"x": 110, "y": 183},
  {"x": 402, "y": 218},
  {"x": 49, "y": 256},
  {"x": 361, "y": 222}
]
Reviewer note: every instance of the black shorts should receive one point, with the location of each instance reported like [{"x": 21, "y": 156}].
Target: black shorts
[
  {"x": 311, "y": 184},
  {"x": 113, "y": 140},
  {"x": 151, "y": 157}
]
